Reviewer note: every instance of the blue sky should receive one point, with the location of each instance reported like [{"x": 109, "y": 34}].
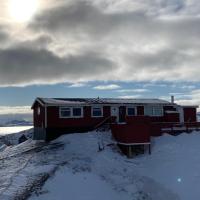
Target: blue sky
[
  {"x": 24, "y": 96},
  {"x": 105, "y": 48}
]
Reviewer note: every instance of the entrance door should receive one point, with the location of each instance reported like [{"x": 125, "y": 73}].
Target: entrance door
[
  {"x": 115, "y": 113},
  {"x": 181, "y": 114}
]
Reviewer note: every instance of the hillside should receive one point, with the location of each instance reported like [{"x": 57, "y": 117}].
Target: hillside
[
  {"x": 16, "y": 120},
  {"x": 90, "y": 174},
  {"x": 77, "y": 170}
]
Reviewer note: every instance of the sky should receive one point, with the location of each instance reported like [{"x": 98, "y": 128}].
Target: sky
[{"x": 98, "y": 48}]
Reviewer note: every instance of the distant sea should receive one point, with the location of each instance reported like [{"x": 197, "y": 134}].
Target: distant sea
[{"x": 13, "y": 129}]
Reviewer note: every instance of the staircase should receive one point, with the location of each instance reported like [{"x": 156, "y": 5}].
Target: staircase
[{"x": 103, "y": 125}]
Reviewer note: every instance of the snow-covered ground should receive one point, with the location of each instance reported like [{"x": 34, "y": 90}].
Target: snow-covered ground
[
  {"x": 171, "y": 172},
  {"x": 13, "y": 129},
  {"x": 77, "y": 170}
]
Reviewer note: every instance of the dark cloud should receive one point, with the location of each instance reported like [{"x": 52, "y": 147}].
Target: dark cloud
[
  {"x": 3, "y": 36},
  {"x": 27, "y": 66},
  {"x": 105, "y": 40},
  {"x": 85, "y": 18},
  {"x": 40, "y": 42}
]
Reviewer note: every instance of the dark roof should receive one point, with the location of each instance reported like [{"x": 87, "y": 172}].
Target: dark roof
[{"x": 88, "y": 101}]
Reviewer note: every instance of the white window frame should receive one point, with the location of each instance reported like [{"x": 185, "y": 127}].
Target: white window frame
[
  {"x": 131, "y": 107},
  {"x": 81, "y": 116},
  {"x": 71, "y": 112},
  {"x": 153, "y": 111},
  {"x": 99, "y": 108}
]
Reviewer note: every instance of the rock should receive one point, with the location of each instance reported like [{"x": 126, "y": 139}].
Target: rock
[{"x": 23, "y": 138}]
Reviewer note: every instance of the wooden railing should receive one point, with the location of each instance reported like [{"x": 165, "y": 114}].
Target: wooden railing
[
  {"x": 102, "y": 122},
  {"x": 159, "y": 127}
]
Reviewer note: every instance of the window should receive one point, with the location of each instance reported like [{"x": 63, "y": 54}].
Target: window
[
  {"x": 131, "y": 111},
  {"x": 153, "y": 111},
  {"x": 148, "y": 111},
  {"x": 77, "y": 112},
  {"x": 157, "y": 111},
  {"x": 70, "y": 112},
  {"x": 97, "y": 112},
  {"x": 65, "y": 112},
  {"x": 38, "y": 110}
]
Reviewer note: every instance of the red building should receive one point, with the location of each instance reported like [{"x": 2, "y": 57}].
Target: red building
[{"x": 132, "y": 120}]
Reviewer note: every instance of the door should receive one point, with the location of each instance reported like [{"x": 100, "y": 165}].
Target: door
[
  {"x": 115, "y": 113},
  {"x": 181, "y": 114},
  {"x": 122, "y": 114}
]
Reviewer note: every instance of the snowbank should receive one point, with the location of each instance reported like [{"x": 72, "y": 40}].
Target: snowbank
[
  {"x": 77, "y": 170},
  {"x": 123, "y": 178}
]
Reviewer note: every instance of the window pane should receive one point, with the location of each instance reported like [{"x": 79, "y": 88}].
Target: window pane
[
  {"x": 153, "y": 111},
  {"x": 96, "y": 112},
  {"x": 65, "y": 112},
  {"x": 158, "y": 111},
  {"x": 131, "y": 111},
  {"x": 149, "y": 111},
  {"x": 77, "y": 112}
]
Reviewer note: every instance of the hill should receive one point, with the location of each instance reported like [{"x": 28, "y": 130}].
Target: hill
[{"x": 75, "y": 169}]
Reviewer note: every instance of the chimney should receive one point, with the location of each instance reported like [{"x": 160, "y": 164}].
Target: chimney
[{"x": 172, "y": 99}]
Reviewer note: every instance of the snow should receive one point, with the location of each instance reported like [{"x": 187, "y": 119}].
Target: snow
[
  {"x": 86, "y": 101},
  {"x": 175, "y": 163},
  {"x": 86, "y": 186},
  {"x": 171, "y": 172},
  {"x": 14, "y": 129},
  {"x": 78, "y": 170},
  {"x": 61, "y": 101},
  {"x": 171, "y": 111}
]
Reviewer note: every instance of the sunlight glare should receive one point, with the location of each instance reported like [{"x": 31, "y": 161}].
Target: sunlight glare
[{"x": 22, "y": 10}]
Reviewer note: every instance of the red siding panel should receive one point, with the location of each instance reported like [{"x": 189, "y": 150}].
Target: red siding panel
[
  {"x": 137, "y": 132},
  {"x": 171, "y": 117},
  {"x": 86, "y": 121},
  {"x": 190, "y": 114},
  {"x": 140, "y": 110}
]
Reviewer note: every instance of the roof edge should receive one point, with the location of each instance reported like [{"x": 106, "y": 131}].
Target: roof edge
[{"x": 38, "y": 99}]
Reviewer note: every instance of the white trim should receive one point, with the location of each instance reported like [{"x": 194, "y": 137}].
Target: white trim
[
  {"x": 38, "y": 110},
  {"x": 181, "y": 114},
  {"x": 135, "y": 107},
  {"x": 179, "y": 128},
  {"x": 37, "y": 100},
  {"x": 81, "y": 116},
  {"x": 171, "y": 111},
  {"x": 92, "y": 107},
  {"x": 71, "y": 112},
  {"x": 116, "y": 114}
]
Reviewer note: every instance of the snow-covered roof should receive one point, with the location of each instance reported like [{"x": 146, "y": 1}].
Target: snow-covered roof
[
  {"x": 88, "y": 101},
  {"x": 189, "y": 106}
]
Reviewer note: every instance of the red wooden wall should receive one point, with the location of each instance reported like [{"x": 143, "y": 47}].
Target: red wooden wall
[
  {"x": 54, "y": 120},
  {"x": 190, "y": 114},
  {"x": 137, "y": 132}
]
